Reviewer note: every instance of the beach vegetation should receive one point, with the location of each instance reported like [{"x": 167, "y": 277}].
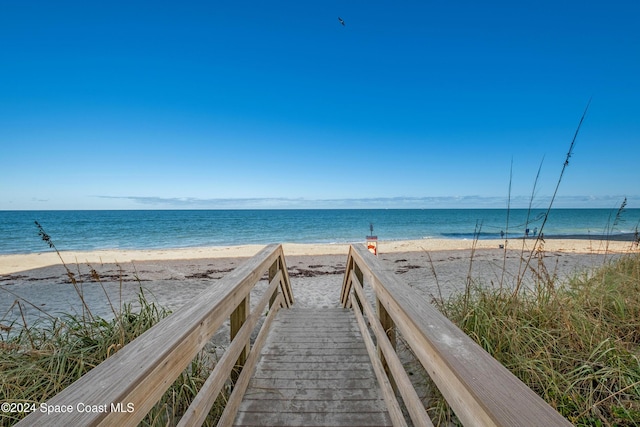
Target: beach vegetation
[
  {"x": 575, "y": 343},
  {"x": 39, "y": 359}
]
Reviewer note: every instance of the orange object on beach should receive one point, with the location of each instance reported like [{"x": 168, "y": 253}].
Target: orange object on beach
[{"x": 372, "y": 244}]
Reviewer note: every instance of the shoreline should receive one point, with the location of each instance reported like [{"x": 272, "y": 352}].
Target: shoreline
[{"x": 14, "y": 263}]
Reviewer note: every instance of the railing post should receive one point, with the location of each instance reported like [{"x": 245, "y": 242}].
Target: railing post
[
  {"x": 390, "y": 329},
  {"x": 360, "y": 277},
  {"x": 237, "y": 319},
  {"x": 273, "y": 270}
]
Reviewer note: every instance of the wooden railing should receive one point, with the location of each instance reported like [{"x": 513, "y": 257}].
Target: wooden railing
[
  {"x": 478, "y": 388},
  {"x": 137, "y": 376}
]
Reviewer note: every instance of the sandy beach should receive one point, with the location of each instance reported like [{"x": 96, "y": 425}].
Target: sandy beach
[
  {"x": 174, "y": 277},
  {"x": 22, "y": 262}
]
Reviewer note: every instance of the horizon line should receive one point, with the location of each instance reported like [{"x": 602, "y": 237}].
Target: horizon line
[{"x": 284, "y": 203}]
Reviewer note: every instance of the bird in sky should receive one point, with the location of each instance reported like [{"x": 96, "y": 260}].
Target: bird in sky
[{"x": 341, "y": 21}]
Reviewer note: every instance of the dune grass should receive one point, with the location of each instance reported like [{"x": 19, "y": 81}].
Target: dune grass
[
  {"x": 577, "y": 345},
  {"x": 40, "y": 359}
]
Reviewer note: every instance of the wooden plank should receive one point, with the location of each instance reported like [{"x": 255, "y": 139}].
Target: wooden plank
[
  {"x": 314, "y": 419},
  {"x": 313, "y": 372},
  {"x": 317, "y": 384},
  {"x": 325, "y": 385},
  {"x": 479, "y": 389},
  {"x": 335, "y": 357},
  {"x": 306, "y": 349},
  {"x": 315, "y": 375},
  {"x": 320, "y": 340},
  {"x": 340, "y": 334},
  {"x": 310, "y": 323},
  {"x": 313, "y": 349},
  {"x": 315, "y": 405},
  {"x": 294, "y": 392}
]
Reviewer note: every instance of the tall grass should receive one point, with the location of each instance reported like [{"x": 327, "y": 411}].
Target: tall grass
[
  {"x": 577, "y": 346},
  {"x": 40, "y": 359}
]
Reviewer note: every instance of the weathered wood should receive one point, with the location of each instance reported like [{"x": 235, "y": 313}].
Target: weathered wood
[
  {"x": 286, "y": 283},
  {"x": 140, "y": 373},
  {"x": 237, "y": 319},
  {"x": 298, "y": 382},
  {"x": 390, "y": 330},
  {"x": 315, "y": 419},
  {"x": 319, "y": 384},
  {"x": 319, "y": 372},
  {"x": 197, "y": 412},
  {"x": 394, "y": 368},
  {"x": 273, "y": 270},
  {"x": 299, "y": 404},
  {"x": 336, "y": 356},
  {"x": 346, "y": 283},
  {"x": 280, "y": 265},
  {"x": 479, "y": 389},
  {"x": 315, "y": 370},
  {"x": 385, "y": 385},
  {"x": 314, "y": 348},
  {"x": 289, "y": 391},
  {"x": 231, "y": 408}
]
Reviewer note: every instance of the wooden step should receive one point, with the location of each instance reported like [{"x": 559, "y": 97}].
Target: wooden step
[{"x": 314, "y": 371}]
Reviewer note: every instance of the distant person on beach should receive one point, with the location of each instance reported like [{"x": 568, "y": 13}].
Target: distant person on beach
[
  {"x": 526, "y": 233},
  {"x": 502, "y": 234},
  {"x": 535, "y": 231}
]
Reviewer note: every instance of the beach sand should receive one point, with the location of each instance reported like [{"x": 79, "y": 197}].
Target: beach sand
[
  {"x": 173, "y": 277},
  {"x": 22, "y": 262}
]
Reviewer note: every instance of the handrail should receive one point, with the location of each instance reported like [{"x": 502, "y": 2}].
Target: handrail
[
  {"x": 137, "y": 375},
  {"x": 478, "y": 388}
]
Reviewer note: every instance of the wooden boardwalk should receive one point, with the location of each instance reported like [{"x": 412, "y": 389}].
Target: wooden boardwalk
[
  {"x": 314, "y": 365},
  {"x": 314, "y": 371}
]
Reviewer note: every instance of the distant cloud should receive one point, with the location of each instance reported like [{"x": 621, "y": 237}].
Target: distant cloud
[{"x": 450, "y": 202}]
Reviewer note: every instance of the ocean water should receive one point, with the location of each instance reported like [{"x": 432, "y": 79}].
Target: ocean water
[{"x": 155, "y": 229}]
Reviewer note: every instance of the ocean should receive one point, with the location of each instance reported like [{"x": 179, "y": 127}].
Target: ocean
[{"x": 158, "y": 229}]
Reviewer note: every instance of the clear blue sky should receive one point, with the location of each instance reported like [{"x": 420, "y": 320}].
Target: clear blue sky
[{"x": 113, "y": 104}]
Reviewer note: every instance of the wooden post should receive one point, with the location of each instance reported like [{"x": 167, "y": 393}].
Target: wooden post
[
  {"x": 390, "y": 329},
  {"x": 273, "y": 270},
  {"x": 238, "y": 317},
  {"x": 346, "y": 284},
  {"x": 360, "y": 277}
]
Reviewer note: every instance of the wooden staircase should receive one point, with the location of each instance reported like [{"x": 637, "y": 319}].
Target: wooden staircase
[
  {"x": 314, "y": 371},
  {"x": 306, "y": 367}
]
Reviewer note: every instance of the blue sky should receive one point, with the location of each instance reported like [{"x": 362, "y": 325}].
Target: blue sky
[{"x": 245, "y": 104}]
